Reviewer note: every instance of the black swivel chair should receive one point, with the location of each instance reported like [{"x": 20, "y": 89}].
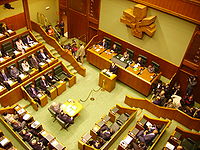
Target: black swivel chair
[
  {"x": 60, "y": 74},
  {"x": 108, "y": 42},
  {"x": 7, "y": 49},
  {"x": 62, "y": 123},
  {"x": 118, "y": 47},
  {"x": 14, "y": 42},
  {"x": 156, "y": 66},
  {"x": 131, "y": 53},
  {"x": 144, "y": 59}
]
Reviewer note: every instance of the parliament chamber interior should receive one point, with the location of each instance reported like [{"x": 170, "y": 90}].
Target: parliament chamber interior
[{"x": 99, "y": 74}]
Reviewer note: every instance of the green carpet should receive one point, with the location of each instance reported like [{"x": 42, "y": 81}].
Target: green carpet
[{"x": 91, "y": 113}]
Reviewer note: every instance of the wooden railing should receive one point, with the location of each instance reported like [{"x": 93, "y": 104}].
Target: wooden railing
[
  {"x": 170, "y": 113},
  {"x": 64, "y": 54}
]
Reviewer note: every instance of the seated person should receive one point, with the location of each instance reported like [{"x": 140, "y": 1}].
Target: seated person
[
  {"x": 14, "y": 72},
  {"x": 151, "y": 69},
  {"x": 105, "y": 133},
  {"x": 146, "y": 136},
  {"x": 140, "y": 62},
  {"x": 98, "y": 143},
  {"x": 26, "y": 67},
  {"x": 34, "y": 93},
  {"x": 36, "y": 145},
  {"x": 29, "y": 41},
  {"x": 176, "y": 89},
  {"x": 26, "y": 135},
  {"x": 179, "y": 147},
  {"x": 56, "y": 107},
  {"x": 5, "y": 79},
  {"x": 134, "y": 146},
  {"x": 104, "y": 43},
  {"x": 4, "y": 30},
  {"x": 50, "y": 31},
  {"x": 44, "y": 85},
  {"x": 157, "y": 101},
  {"x": 64, "y": 117},
  {"x": 126, "y": 55},
  {"x": 42, "y": 55},
  {"x": 35, "y": 62},
  {"x": 187, "y": 101},
  {"x": 115, "y": 49},
  {"x": 51, "y": 79},
  {"x": 10, "y": 117},
  {"x": 20, "y": 45},
  {"x": 113, "y": 68},
  {"x": 18, "y": 126}
]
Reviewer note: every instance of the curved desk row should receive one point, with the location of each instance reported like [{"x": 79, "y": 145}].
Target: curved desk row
[
  {"x": 141, "y": 81},
  {"x": 159, "y": 111}
]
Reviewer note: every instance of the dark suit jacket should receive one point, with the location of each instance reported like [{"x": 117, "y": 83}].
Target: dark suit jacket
[
  {"x": 35, "y": 63},
  {"x": 140, "y": 62},
  {"x": 40, "y": 56},
  {"x": 2, "y": 77},
  {"x": 51, "y": 79},
  {"x": 104, "y": 44},
  {"x": 43, "y": 84},
  {"x": 65, "y": 118},
  {"x": 14, "y": 72},
  {"x": 113, "y": 69},
  {"x": 31, "y": 93}
]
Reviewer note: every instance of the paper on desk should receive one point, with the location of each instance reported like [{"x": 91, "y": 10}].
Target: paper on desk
[
  {"x": 4, "y": 142},
  {"x": 9, "y": 31},
  {"x": 1, "y": 87},
  {"x": 26, "y": 116},
  {"x": 2, "y": 59},
  {"x": 41, "y": 63},
  {"x": 97, "y": 50},
  {"x": 170, "y": 146},
  {"x": 22, "y": 75},
  {"x": 48, "y": 60},
  {"x": 21, "y": 111},
  {"x": 10, "y": 82},
  {"x": 39, "y": 95}
]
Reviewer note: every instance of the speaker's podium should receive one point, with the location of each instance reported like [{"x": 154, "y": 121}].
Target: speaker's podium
[{"x": 107, "y": 80}]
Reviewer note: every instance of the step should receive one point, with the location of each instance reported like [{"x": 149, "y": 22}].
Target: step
[
  {"x": 73, "y": 71},
  {"x": 42, "y": 41},
  {"x": 70, "y": 67}
]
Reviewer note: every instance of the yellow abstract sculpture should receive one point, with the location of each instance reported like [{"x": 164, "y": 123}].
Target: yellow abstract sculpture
[{"x": 136, "y": 18}]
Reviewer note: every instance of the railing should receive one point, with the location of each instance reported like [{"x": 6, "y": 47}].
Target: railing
[
  {"x": 64, "y": 54},
  {"x": 170, "y": 113}
]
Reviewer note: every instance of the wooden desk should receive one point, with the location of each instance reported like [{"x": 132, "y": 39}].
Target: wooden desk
[
  {"x": 61, "y": 87},
  {"x": 56, "y": 145},
  {"x": 71, "y": 107},
  {"x": 106, "y": 82},
  {"x": 2, "y": 90},
  {"x": 47, "y": 135},
  {"x": 53, "y": 92},
  {"x": 98, "y": 49},
  {"x": 142, "y": 83},
  {"x": 108, "y": 54}
]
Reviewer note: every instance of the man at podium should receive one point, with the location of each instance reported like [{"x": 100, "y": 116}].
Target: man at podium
[{"x": 113, "y": 68}]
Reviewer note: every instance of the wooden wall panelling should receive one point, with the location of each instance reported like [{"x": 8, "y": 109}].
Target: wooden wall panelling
[
  {"x": 26, "y": 13},
  {"x": 78, "y": 5},
  {"x": 19, "y": 21},
  {"x": 181, "y": 8},
  {"x": 168, "y": 69}
]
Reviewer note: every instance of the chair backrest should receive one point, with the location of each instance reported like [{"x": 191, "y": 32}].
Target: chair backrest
[
  {"x": 62, "y": 123},
  {"x": 144, "y": 59},
  {"x": 156, "y": 66},
  {"x": 108, "y": 41},
  {"x": 7, "y": 46},
  {"x": 14, "y": 42},
  {"x": 8, "y": 67},
  {"x": 37, "y": 82},
  {"x": 27, "y": 86},
  {"x": 58, "y": 70},
  {"x": 131, "y": 53},
  {"x": 19, "y": 63},
  {"x": 53, "y": 113},
  {"x": 119, "y": 47}
]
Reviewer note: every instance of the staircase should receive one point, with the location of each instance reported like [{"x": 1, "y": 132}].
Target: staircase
[{"x": 54, "y": 52}]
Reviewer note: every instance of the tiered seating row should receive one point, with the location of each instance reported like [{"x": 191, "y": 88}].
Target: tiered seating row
[
  {"x": 116, "y": 121},
  {"x": 5, "y": 143},
  {"x": 145, "y": 123},
  {"x": 170, "y": 113},
  {"x": 31, "y": 126}
]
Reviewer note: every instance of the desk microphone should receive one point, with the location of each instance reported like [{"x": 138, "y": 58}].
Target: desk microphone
[{"x": 141, "y": 71}]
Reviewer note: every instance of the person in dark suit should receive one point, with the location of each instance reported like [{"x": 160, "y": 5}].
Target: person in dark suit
[
  {"x": 104, "y": 43},
  {"x": 4, "y": 30},
  {"x": 116, "y": 49},
  {"x": 140, "y": 62},
  {"x": 14, "y": 72},
  {"x": 113, "y": 68},
  {"x": 4, "y": 78},
  {"x": 64, "y": 117},
  {"x": 17, "y": 126},
  {"x": 192, "y": 82},
  {"x": 42, "y": 55},
  {"x": 33, "y": 92},
  {"x": 35, "y": 62},
  {"x": 105, "y": 132},
  {"x": 51, "y": 79},
  {"x": 27, "y": 136},
  {"x": 44, "y": 85},
  {"x": 36, "y": 145},
  {"x": 146, "y": 136},
  {"x": 55, "y": 107}
]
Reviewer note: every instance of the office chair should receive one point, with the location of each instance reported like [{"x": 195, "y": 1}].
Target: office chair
[
  {"x": 108, "y": 41},
  {"x": 60, "y": 74},
  {"x": 53, "y": 114},
  {"x": 62, "y": 123},
  {"x": 118, "y": 47},
  {"x": 156, "y": 66},
  {"x": 144, "y": 59},
  {"x": 8, "y": 49},
  {"x": 131, "y": 53}
]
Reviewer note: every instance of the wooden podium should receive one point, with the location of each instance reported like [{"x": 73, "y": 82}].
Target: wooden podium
[{"x": 107, "y": 82}]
